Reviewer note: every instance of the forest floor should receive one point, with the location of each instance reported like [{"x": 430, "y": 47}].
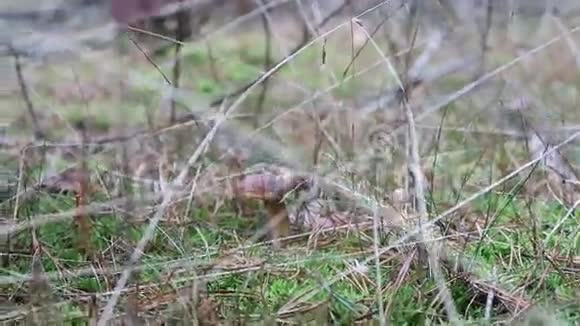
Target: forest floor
[{"x": 204, "y": 256}]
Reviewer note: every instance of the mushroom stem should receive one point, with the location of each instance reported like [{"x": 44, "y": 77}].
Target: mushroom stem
[{"x": 278, "y": 221}]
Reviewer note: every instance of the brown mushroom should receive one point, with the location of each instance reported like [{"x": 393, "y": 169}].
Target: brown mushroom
[
  {"x": 271, "y": 187},
  {"x": 69, "y": 181},
  {"x": 74, "y": 181}
]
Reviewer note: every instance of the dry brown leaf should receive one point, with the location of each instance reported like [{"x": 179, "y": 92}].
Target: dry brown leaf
[
  {"x": 317, "y": 214},
  {"x": 208, "y": 312}
]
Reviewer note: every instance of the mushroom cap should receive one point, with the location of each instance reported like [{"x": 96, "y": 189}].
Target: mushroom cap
[
  {"x": 269, "y": 186},
  {"x": 67, "y": 181}
]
